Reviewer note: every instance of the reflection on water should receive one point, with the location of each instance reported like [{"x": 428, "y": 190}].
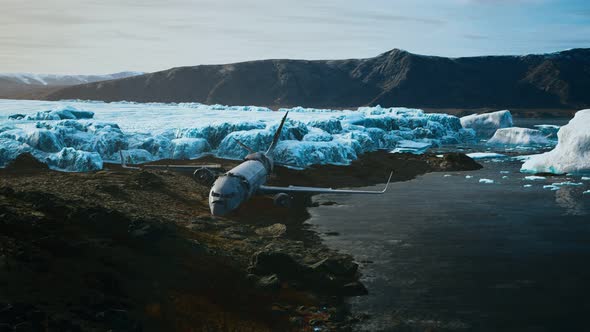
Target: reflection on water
[
  {"x": 572, "y": 200},
  {"x": 450, "y": 253}
]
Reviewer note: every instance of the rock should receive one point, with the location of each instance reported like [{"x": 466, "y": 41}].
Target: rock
[
  {"x": 270, "y": 282},
  {"x": 275, "y": 262},
  {"x": 276, "y": 230},
  {"x": 455, "y": 161},
  {"x": 354, "y": 288},
  {"x": 25, "y": 162},
  {"x": 337, "y": 265}
]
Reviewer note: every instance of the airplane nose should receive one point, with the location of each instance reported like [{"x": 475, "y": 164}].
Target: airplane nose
[{"x": 218, "y": 209}]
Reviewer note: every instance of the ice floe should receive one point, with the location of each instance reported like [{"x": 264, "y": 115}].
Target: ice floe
[
  {"x": 485, "y": 155},
  {"x": 487, "y": 181},
  {"x": 485, "y": 125},
  {"x": 519, "y": 136},
  {"x": 534, "y": 178},
  {"x": 572, "y": 153}
]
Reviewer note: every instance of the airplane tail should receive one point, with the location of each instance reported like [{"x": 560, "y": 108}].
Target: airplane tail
[{"x": 275, "y": 139}]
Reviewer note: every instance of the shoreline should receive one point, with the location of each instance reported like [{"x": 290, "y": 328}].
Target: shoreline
[{"x": 129, "y": 249}]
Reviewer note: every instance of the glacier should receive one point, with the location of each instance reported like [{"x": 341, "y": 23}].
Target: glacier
[
  {"x": 485, "y": 125},
  {"x": 572, "y": 153},
  {"x": 81, "y": 135}
]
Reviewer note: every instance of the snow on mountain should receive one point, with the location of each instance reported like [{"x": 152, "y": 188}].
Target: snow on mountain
[{"x": 54, "y": 79}]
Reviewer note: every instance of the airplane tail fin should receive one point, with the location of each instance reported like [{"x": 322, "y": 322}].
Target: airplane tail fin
[
  {"x": 275, "y": 139},
  {"x": 247, "y": 148}
]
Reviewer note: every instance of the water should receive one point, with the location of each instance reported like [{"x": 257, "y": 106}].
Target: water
[{"x": 449, "y": 253}]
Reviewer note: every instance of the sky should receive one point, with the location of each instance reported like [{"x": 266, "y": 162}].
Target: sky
[{"x": 105, "y": 36}]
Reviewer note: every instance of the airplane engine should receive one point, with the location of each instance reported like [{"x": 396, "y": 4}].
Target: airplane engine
[
  {"x": 283, "y": 200},
  {"x": 204, "y": 176}
]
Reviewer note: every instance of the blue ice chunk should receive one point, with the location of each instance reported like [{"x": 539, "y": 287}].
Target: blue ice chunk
[
  {"x": 189, "y": 148},
  {"x": 137, "y": 156},
  {"x": 10, "y": 149},
  {"x": 258, "y": 140},
  {"x": 108, "y": 141},
  {"x": 331, "y": 126},
  {"x": 44, "y": 140},
  {"x": 70, "y": 159},
  {"x": 159, "y": 146},
  {"x": 214, "y": 134},
  {"x": 317, "y": 135},
  {"x": 67, "y": 112},
  {"x": 304, "y": 153}
]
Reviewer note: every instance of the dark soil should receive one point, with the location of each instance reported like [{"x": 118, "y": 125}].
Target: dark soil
[{"x": 129, "y": 250}]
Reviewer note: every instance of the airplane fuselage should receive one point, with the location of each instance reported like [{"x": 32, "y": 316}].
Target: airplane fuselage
[{"x": 239, "y": 184}]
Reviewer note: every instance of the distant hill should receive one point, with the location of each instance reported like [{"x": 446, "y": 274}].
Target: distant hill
[
  {"x": 394, "y": 78},
  {"x": 25, "y": 85}
]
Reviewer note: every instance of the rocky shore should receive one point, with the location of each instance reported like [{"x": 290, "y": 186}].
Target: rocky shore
[{"x": 136, "y": 250}]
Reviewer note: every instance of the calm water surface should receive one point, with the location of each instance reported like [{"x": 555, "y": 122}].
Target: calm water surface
[{"x": 446, "y": 252}]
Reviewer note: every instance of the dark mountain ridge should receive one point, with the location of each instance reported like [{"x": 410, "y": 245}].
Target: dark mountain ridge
[{"x": 394, "y": 78}]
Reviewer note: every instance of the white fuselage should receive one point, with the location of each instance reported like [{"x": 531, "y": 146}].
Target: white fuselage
[{"x": 239, "y": 184}]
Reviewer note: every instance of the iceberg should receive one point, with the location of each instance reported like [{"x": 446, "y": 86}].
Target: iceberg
[
  {"x": 485, "y": 125},
  {"x": 44, "y": 140},
  {"x": 519, "y": 136},
  {"x": 63, "y": 113},
  {"x": 302, "y": 154},
  {"x": 70, "y": 159},
  {"x": 137, "y": 156},
  {"x": 572, "y": 153},
  {"x": 10, "y": 149},
  {"x": 189, "y": 148},
  {"x": 549, "y": 131}
]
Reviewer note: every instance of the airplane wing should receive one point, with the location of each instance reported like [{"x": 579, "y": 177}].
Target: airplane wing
[
  {"x": 177, "y": 168},
  {"x": 315, "y": 190}
]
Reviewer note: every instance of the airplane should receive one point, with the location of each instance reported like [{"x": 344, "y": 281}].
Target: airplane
[
  {"x": 240, "y": 183},
  {"x": 231, "y": 189}
]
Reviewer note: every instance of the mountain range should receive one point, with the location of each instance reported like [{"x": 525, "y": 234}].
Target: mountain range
[
  {"x": 26, "y": 85},
  {"x": 395, "y": 78}
]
